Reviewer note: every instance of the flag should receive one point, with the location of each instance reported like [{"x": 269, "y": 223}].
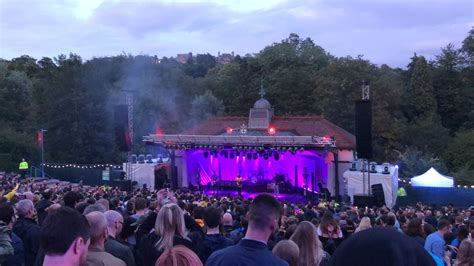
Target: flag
[{"x": 40, "y": 139}]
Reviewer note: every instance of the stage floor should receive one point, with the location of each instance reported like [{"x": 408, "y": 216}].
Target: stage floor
[{"x": 292, "y": 198}]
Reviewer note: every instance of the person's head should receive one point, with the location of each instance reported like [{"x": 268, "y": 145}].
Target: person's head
[
  {"x": 227, "y": 219},
  {"x": 98, "y": 228},
  {"x": 463, "y": 232},
  {"x": 364, "y": 224},
  {"x": 328, "y": 224},
  {"x": 177, "y": 256},
  {"x": 25, "y": 208},
  {"x": 379, "y": 246},
  {"x": 444, "y": 226},
  {"x": 465, "y": 255},
  {"x": 308, "y": 242},
  {"x": 414, "y": 227},
  {"x": 94, "y": 208},
  {"x": 47, "y": 194},
  {"x": 212, "y": 217},
  {"x": 288, "y": 251},
  {"x": 7, "y": 214},
  {"x": 264, "y": 214},
  {"x": 140, "y": 204},
  {"x": 104, "y": 203},
  {"x": 71, "y": 198},
  {"x": 428, "y": 229},
  {"x": 65, "y": 235},
  {"x": 114, "y": 222},
  {"x": 169, "y": 222}
]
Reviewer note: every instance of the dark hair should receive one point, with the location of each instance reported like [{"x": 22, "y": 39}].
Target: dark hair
[
  {"x": 263, "y": 209},
  {"x": 6, "y": 212},
  {"x": 71, "y": 198},
  {"x": 140, "y": 204},
  {"x": 428, "y": 229},
  {"x": 443, "y": 223},
  {"x": 463, "y": 232},
  {"x": 414, "y": 227},
  {"x": 198, "y": 212},
  {"x": 61, "y": 228},
  {"x": 327, "y": 220},
  {"x": 212, "y": 217}
]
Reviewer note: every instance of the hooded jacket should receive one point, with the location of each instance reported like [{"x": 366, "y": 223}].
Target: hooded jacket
[
  {"x": 29, "y": 233},
  {"x": 6, "y": 248}
]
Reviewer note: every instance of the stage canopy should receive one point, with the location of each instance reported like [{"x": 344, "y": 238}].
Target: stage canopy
[
  {"x": 432, "y": 179},
  {"x": 356, "y": 183}
]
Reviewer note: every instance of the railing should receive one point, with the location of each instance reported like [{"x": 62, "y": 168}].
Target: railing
[{"x": 36, "y": 172}]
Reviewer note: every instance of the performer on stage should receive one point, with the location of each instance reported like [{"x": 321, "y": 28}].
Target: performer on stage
[
  {"x": 198, "y": 179},
  {"x": 305, "y": 181},
  {"x": 214, "y": 180},
  {"x": 239, "y": 181},
  {"x": 276, "y": 187}
]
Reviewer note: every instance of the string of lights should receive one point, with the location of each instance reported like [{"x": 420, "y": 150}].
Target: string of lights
[{"x": 81, "y": 166}]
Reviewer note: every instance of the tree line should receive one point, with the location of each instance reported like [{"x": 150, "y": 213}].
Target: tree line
[{"x": 423, "y": 115}]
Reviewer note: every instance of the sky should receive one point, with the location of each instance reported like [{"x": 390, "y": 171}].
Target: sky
[{"x": 383, "y": 31}]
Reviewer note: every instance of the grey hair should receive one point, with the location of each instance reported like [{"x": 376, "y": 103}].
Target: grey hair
[
  {"x": 112, "y": 217},
  {"x": 94, "y": 208},
  {"x": 97, "y": 223},
  {"x": 24, "y": 206}
]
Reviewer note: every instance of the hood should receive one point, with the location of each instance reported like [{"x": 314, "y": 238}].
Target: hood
[{"x": 4, "y": 229}]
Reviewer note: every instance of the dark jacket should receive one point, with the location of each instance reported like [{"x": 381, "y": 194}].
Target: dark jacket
[
  {"x": 29, "y": 233},
  {"x": 148, "y": 252},
  {"x": 120, "y": 251},
  {"x": 41, "y": 210},
  {"x": 18, "y": 258},
  {"x": 212, "y": 243},
  {"x": 246, "y": 253}
]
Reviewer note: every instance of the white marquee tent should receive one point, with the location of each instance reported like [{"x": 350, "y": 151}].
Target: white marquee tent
[{"x": 432, "y": 179}]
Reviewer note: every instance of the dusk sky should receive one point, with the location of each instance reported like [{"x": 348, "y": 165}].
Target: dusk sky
[{"x": 384, "y": 31}]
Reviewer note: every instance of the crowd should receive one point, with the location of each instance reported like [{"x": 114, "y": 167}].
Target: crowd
[{"x": 45, "y": 223}]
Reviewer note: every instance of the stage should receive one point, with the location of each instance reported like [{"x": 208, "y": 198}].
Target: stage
[{"x": 282, "y": 197}]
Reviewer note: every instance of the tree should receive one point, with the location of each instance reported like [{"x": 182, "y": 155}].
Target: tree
[
  {"x": 420, "y": 90},
  {"x": 206, "y": 105},
  {"x": 447, "y": 88},
  {"x": 460, "y": 152},
  {"x": 414, "y": 162}
]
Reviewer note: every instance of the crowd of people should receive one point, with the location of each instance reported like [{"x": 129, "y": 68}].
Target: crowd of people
[{"x": 53, "y": 223}]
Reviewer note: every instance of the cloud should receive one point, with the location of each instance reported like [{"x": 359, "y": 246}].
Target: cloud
[{"x": 383, "y": 31}]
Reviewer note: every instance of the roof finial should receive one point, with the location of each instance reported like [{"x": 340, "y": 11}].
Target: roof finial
[{"x": 262, "y": 90}]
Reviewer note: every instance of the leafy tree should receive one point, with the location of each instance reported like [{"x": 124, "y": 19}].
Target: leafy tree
[
  {"x": 206, "y": 105},
  {"x": 414, "y": 162},
  {"x": 447, "y": 88}
]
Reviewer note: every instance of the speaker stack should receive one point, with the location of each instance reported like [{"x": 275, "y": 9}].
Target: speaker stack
[
  {"x": 363, "y": 128},
  {"x": 122, "y": 131},
  {"x": 379, "y": 196}
]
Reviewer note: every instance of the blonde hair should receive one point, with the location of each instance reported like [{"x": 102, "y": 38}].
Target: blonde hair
[
  {"x": 288, "y": 251},
  {"x": 364, "y": 224},
  {"x": 177, "y": 256},
  {"x": 305, "y": 236},
  {"x": 169, "y": 222}
]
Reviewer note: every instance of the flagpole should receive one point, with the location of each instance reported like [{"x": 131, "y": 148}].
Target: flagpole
[{"x": 42, "y": 152}]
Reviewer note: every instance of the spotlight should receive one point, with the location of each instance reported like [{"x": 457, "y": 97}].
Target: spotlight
[{"x": 271, "y": 131}]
